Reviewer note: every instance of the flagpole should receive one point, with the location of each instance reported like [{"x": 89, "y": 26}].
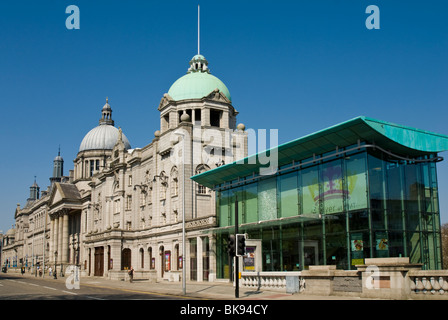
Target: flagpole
[{"x": 199, "y": 15}]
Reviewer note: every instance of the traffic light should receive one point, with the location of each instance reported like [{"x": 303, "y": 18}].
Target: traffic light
[
  {"x": 240, "y": 245},
  {"x": 231, "y": 245}
]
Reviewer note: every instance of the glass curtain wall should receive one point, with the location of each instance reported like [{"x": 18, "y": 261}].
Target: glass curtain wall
[{"x": 338, "y": 212}]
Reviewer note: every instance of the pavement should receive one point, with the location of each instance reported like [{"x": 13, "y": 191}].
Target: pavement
[{"x": 195, "y": 290}]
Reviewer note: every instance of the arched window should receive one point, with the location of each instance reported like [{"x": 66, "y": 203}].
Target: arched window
[
  {"x": 126, "y": 259},
  {"x": 142, "y": 258},
  {"x": 200, "y": 169},
  {"x": 151, "y": 262},
  {"x": 174, "y": 182}
]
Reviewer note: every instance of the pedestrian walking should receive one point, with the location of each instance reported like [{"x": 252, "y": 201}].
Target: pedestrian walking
[{"x": 131, "y": 274}]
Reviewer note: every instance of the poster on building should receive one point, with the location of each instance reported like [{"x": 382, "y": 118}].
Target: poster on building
[
  {"x": 249, "y": 259},
  {"x": 357, "y": 248},
  {"x": 381, "y": 241}
]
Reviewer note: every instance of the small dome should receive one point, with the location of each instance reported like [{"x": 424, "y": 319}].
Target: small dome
[
  {"x": 102, "y": 137},
  {"x": 198, "y": 82}
]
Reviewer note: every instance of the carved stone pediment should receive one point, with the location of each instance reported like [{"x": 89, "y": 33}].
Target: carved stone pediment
[
  {"x": 166, "y": 99},
  {"x": 217, "y": 95}
]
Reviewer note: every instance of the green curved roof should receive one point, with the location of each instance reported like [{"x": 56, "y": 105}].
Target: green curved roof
[
  {"x": 401, "y": 140},
  {"x": 197, "y": 85}
]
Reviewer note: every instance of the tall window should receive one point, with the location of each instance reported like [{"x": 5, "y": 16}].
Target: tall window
[{"x": 129, "y": 202}]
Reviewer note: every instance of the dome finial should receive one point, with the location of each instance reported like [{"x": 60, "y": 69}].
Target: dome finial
[
  {"x": 106, "y": 114},
  {"x": 198, "y": 64}
]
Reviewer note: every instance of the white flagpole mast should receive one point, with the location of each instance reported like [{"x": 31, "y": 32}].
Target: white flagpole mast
[{"x": 198, "y": 30}]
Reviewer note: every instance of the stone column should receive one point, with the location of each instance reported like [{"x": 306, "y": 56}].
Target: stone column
[
  {"x": 51, "y": 239},
  {"x": 59, "y": 238},
  {"x": 212, "y": 259},
  {"x": 65, "y": 238},
  {"x": 199, "y": 261},
  {"x": 54, "y": 237}
]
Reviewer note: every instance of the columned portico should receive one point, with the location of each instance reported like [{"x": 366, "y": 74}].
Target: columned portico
[{"x": 65, "y": 214}]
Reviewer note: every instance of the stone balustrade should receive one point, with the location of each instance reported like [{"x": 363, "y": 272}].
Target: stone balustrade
[
  {"x": 428, "y": 283},
  {"x": 266, "y": 280},
  {"x": 378, "y": 278}
]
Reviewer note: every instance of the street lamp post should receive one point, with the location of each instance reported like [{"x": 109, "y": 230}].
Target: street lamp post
[
  {"x": 184, "y": 289},
  {"x": 55, "y": 259},
  {"x": 33, "y": 264}
]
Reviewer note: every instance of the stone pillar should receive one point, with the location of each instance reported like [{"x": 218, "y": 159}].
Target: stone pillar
[
  {"x": 51, "y": 239},
  {"x": 65, "y": 238},
  {"x": 319, "y": 280},
  {"x": 385, "y": 278},
  {"x": 59, "y": 239},
  {"x": 212, "y": 259},
  {"x": 54, "y": 236},
  {"x": 200, "y": 259}
]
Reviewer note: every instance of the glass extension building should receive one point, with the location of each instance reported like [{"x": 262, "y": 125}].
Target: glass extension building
[{"x": 361, "y": 189}]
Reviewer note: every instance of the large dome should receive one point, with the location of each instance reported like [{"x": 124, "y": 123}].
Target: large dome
[
  {"x": 103, "y": 137},
  {"x": 197, "y": 83}
]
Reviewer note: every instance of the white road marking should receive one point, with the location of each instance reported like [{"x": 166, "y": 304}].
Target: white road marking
[
  {"x": 49, "y": 288},
  {"x": 94, "y": 298},
  {"x": 70, "y": 292}
]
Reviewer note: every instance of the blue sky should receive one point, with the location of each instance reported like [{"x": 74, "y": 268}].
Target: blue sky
[{"x": 295, "y": 66}]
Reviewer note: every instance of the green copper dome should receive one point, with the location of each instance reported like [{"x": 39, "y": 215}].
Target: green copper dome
[{"x": 197, "y": 83}]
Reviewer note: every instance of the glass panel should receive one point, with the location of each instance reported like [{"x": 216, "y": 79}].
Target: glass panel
[
  {"x": 236, "y": 192},
  {"x": 414, "y": 247},
  {"x": 291, "y": 249},
  {"x": 356, "y": 179},
  {"x": 267, "y": 199},
  {"x": 396, "y": 245},
  {"x": 310, "y": 190},
  {"x": 332, "y": 188},
  {"x": 358, "y": 220},
  {"x": 288, "y": 195},
  {"x": 336, "y": 240},
  {"x": 426, "y": 179},
  {"x": 378, "y": 219},
  {"x": 222, "y": 257},
  {"x": 312, "y": 243},
  {"x": 223, "y": 207},
  {"x": 271, "y": 251},
  {"x": 433, "y": 172},
  {"x": 395, "y": 196},
  {"x": 377, "y": 183},
  {"x": 412, "y": 188},
  {"x": 251, "y": 203}
]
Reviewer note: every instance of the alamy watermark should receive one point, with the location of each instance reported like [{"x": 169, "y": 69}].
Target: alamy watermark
[
  {"x": 73, "y": 20},
  {"x": 216, "y": 147},
  {"x": 73, "y": 280}
]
